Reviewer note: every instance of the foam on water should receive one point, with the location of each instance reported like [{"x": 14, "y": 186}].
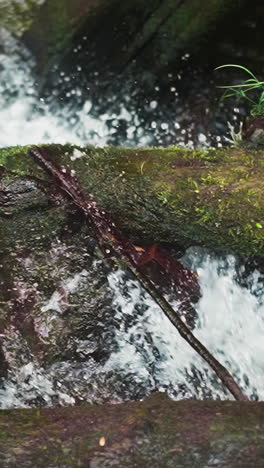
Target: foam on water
[
  {"x": 231, "y": 325},
  {"x": 25, "y": 118}
]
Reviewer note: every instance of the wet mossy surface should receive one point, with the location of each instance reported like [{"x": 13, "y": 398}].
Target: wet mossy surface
[
  {"x": 212, "y": 198},
  {"x": 153, "y": 433},
  {"x": 153, "y": 194},
  {"x": 56, "y": 305}
]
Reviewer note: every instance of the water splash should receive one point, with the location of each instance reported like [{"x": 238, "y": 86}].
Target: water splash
[
  {"x": 73, "y": 116},
  {"x": 231, "y": 325},
  {"x": 25, "y": 118}
]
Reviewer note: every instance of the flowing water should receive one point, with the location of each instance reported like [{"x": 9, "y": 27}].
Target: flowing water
[
  {"x": 148, "y": 354},
  {"x": 71, "y": 114},
  {"x": 26, "y": 118}
]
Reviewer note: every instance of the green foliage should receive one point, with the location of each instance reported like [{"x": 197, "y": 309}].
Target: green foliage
[{"x": 242, "y": 90}]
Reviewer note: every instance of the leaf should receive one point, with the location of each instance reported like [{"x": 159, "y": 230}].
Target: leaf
[
  {"x": 237, "y": 66},
  {"x": 251, "y": 80},
  {"x": 261, "y": 99},
  {"x": 228, "y": 95},
  {"x": 257, "y": 85}
]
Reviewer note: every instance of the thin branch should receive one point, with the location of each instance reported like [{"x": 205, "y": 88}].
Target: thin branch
[
  {"x": 127, "y": 252},
  {"x": 223, "y": 374}
]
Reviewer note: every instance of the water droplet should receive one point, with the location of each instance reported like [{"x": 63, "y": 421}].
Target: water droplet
[{"x": 102, "y": 441}]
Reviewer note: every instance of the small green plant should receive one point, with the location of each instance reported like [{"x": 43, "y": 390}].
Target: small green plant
[{"x": 242, "y": 90}]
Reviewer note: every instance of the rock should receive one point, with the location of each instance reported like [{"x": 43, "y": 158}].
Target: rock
[
  {"x": 210, "y": 197},
  {"x": 254, "y": 131}
]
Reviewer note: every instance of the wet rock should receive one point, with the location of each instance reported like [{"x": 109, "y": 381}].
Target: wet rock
[
  {"x": 254, "y": 131},
  {"x": 59, "y": 318}
]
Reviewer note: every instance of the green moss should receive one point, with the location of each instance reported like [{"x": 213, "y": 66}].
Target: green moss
[
  {"x": 17, "y": 16},
  {"x": 154, "y": 432},
  {"x": 213, "y": 198}
]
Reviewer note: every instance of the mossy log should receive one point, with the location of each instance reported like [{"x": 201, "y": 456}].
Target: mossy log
[
  {"x": 212, "y": 198},
  {"x": 153, "y": 433}
]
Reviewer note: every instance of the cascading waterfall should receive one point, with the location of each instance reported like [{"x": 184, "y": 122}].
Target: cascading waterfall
[
  {"x": 25, "y": 118},
  {"x": 149, "y": 354}
]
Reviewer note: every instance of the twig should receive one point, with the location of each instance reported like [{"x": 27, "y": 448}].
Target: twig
[
  {"x": 223, "y": 374},
  {"x": 127, "y": 252}
]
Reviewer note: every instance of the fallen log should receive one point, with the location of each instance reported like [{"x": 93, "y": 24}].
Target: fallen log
[
  {"x": 212, "y": 198},
  {"x": 151, "y": 433}
]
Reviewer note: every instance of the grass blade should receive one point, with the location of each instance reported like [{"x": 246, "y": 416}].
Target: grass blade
[{"x": 237, "y": 66}]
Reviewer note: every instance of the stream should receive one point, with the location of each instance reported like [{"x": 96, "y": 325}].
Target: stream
[{"x": 146, "y": 352}]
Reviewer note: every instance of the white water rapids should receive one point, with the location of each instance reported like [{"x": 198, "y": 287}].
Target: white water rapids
[
  {"x": 230, "y": 324},
  {"x": 150, "y": 352},
  {"x": 25, "y": 118}
]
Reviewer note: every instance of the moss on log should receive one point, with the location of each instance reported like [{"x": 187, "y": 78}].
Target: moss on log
[
  {"x": 212, "y": 198},
  {"x": 154, "y": 433}
]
